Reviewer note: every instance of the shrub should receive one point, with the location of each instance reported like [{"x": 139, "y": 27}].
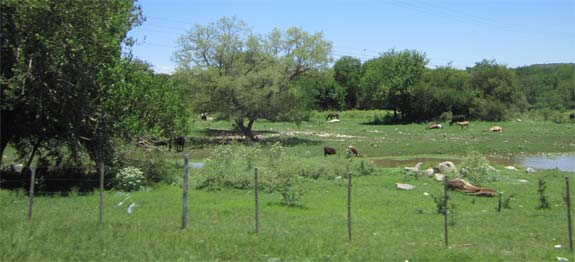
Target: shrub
[
  {"x": 155, "y": 166},
  {"x": 476, "y": 169},
  {"x": 129, "y": 179}
]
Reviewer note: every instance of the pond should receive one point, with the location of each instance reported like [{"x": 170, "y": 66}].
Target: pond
[{"x": 563, "y": 162}]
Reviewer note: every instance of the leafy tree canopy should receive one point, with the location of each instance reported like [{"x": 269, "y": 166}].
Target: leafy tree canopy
[{"x": 245, "y": 77}]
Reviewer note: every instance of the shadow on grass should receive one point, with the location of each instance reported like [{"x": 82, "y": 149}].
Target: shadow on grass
[
  {"x": 279, "y": 204},
  {"x": 219, "y": 137}
]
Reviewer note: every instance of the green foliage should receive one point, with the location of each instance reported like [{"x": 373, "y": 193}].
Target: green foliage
[
  {"x": 476, "y": 169},
  {"x": 543, "y": 202},
  {"x": 347, "y": 73},
  {"x": 245, "y": 77},
  {"x": 155, "y": 165},
  {"x": 129, "y": 179},
  {"x": 388, "y": 81},
  {"x": 549, "y": 86},
  {"x": 60, "y": 61},
  {"x": 504, "y": 203}
]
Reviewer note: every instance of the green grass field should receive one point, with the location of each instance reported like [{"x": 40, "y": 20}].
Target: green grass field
[{"x": 388, "y": 224}]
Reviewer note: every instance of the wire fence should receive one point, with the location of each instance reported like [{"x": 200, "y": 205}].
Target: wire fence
[{"x": 445, "y": 206}]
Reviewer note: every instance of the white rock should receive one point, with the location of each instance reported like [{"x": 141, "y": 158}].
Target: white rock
[
  {"x": 439, "y": 177},
  {"x": 404, "y": 186},
  {"x": 529, "y": 170},
  {"x": 425, "y": 194},
  {"x": 428, "y": 172},
  {"x": 415, "y": 169},
  {"x": 446, "y": 167},
  {"x": 511, "y": 168},
  {"x": 562, "y": 259},
  {"x": 522, "y": 181},
  {"x": 333, "y": 121},
  {"x": 557, "y": 246}
]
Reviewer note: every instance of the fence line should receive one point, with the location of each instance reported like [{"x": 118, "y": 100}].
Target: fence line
[{"x": 186, "y": 165}]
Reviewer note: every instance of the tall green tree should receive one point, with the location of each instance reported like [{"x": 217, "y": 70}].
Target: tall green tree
[
  {"x": 347, "y": 73},
  {"x": 497, "y": 88},
  {"x": 60, "y": 64},
  {"x": 244, "y": 77},
  {"x": 388, "y": 81}
]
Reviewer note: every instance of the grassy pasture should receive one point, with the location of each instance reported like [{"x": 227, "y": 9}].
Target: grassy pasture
[{"x": 388, "y": 224}]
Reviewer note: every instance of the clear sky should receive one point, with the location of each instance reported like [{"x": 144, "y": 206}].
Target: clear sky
[{"x": 461, "y": 32}]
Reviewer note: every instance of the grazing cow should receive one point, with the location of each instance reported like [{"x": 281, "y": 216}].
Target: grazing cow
[
  {"x": 332, "y": 115},
  {"x": 456, "y": 118},
  {"x": 495, "y": 129},
  {"x": 328, "y": 151},
  {"x": 434, "y": 126},
  {"x": 179, "y": 143},
  {"x": 352, "y": 150},
  {"x": 463, "y": 124}
]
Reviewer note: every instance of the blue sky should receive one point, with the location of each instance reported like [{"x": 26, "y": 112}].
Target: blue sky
[{"x": 461, "y": 32}]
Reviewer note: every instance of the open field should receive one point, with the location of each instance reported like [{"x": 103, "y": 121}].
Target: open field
[{"x": 388, "y": 224}]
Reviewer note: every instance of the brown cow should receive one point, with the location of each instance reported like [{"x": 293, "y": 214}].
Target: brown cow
[
  {"x": 352, "y": 150},
  {"x": 495, "y": 129},
  {"x": 332, "y": 115},
  {"x": 463, "y": 124},
  {"x": 434, "y": 126}
]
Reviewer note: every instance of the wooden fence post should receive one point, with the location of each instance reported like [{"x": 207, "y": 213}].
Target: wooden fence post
[
  {"x": 568, "y": 202},
  {"x": 101, "y": 192},
  {"x": 185, "y": 196},
  {"x": 349, "y": 205},
  {"x": 257, "y": 201},
  {"x": 445, "y": 196},
  {"x": 31, "y": 193}
]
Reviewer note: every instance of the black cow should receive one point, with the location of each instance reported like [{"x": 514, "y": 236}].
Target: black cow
[
  {"x": 456, "y": 118},
  {"x": 179, "y": 143},
  {"x": 328, "y": 151}
]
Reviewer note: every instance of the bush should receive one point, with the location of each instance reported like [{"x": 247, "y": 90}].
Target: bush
[
  {"x": 155, "y": 166},
  {"x": 129, "y": 179},
  {"x": 476, "y": 169}
]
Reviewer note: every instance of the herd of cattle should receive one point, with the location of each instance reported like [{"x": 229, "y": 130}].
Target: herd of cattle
[
  {"x": 459, "y": 120},
  {"x": 179, "y": 142}
]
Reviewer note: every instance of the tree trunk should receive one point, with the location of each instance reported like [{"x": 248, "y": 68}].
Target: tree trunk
[
  {"x": 246, "y": 130},
  {"x": 3, "y": 144}
]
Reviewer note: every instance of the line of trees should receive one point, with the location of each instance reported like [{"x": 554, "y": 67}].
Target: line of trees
[{"x": 400, "y": 81}]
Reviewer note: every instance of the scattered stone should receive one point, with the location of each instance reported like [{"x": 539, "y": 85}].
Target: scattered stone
[
  {"x": 529, "y": 170},
  {"x": 522, "y": 181},
  {"x": 562, "y": 259},
  {"x": 446, "y": 167},
  {"x": 511, "y": 168},
  {"x": 404, "y": 186},
  {"x": 428, "y": 172},
  {"x": 415, "y": 169},
  {"x": 557, "y": 246},
  {"x": 333, "y": 121},
  {"x": 439, "y": 177},
  {"x": 490, "y": 168}
]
